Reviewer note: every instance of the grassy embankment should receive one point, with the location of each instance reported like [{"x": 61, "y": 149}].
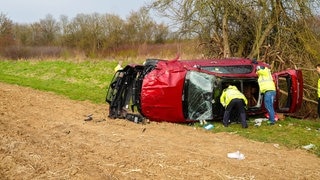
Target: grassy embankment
[
  {"x": 79, "y": 81},
  {"x": 88, "y": 80}
]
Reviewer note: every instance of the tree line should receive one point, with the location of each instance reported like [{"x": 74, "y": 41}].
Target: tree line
[{"x": 93, "y": 34}]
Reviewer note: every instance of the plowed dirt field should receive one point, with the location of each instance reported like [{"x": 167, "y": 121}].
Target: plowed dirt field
[{"x": 44, "y": 136}]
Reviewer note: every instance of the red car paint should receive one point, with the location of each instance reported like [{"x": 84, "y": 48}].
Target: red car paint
[{"x": 161, "y": 95}]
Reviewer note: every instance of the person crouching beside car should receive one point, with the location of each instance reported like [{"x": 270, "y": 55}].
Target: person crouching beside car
[{"x": 232, "y": 99}]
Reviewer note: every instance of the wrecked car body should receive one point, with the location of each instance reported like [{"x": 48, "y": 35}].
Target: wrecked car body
[{"x": 182, "y": 91}]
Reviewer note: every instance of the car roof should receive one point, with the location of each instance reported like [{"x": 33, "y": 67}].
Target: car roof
[
  {"x": 216, "y": 62},
  {"x": 220, "y": 62},
  {"x": 227, "y": 62}
]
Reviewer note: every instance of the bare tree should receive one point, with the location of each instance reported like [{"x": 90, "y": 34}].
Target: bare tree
[
  {"x": 140, "y": 26},
  {"x": 23, "y": 34},
  {"x": 6, "y": 31},
  {"x": 114, "y": 30},
  {"x": 236, "y": 27},
  {"x": 280, "y": 32},
  {"x": 49, "y": 28}
]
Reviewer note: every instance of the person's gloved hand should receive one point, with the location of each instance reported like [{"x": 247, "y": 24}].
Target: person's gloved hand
[{"x": 259, "y": 67}]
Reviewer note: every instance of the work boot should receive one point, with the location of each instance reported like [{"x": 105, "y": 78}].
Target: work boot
[
  {"x": 225, "y": 124},
  {"x": 270, "y": 123},
  {"x": 243, "y": 120}
]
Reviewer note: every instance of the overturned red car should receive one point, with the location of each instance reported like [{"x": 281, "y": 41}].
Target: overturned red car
[{"x": 182, "y": 91}]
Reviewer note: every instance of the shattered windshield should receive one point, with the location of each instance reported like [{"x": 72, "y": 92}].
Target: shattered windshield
[
  {"x": 245, "y": 69},
  {"x": 198, "y": 95}
]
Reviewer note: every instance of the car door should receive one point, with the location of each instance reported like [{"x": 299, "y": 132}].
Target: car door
[{"x": 289, "y": 87}]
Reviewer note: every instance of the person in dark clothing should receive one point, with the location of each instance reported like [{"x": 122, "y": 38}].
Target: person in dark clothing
[{"x": 233, "y": 100}]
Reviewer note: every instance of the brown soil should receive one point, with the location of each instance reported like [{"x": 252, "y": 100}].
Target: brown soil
[{"x": 44, "y": 136}]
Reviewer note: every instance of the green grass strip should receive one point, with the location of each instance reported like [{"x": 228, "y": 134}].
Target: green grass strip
[{"x": 89, "y": 80}]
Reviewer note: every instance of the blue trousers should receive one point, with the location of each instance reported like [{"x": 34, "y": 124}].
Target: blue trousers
[{"x": 269, "y": 97}]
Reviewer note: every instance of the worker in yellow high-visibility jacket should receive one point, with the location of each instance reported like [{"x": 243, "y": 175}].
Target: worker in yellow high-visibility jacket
[
  {"x": 268, "y": 89},
  {"x": 118, "y": 67},
  {"x": 232, "y": 99}
]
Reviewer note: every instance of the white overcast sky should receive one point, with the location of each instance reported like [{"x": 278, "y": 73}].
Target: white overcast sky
[{"x": 29, "y": 11}]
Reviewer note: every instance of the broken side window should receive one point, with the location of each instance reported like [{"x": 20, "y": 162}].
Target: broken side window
[{"x": 198, "y": 95}]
